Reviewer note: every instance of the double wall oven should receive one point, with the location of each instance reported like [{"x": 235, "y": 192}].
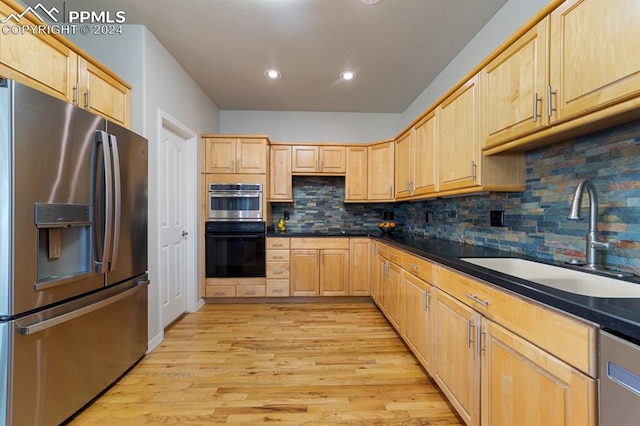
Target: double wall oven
[{"x": 235, "y": 237}]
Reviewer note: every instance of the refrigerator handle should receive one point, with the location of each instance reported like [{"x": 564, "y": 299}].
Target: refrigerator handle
[
  {"x": 103, "y": 138},
  {"x": 117, "y": 202},
  {"x": 26, "y": 330}
]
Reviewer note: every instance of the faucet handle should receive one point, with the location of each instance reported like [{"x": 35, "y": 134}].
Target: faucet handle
[{"x": 602, "y": 246}]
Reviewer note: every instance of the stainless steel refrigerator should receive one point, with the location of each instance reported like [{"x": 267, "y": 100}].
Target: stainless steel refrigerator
[{"x": 73, "y": 255}]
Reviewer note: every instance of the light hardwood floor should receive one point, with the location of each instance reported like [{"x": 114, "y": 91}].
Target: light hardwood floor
[{"x": 300, "y": 364}]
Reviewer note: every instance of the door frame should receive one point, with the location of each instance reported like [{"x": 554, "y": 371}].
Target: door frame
[{"x": 192, "y": 183}]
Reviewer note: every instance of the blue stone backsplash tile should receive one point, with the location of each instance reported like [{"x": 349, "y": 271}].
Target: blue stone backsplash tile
[{"x": 535, "y": 221}]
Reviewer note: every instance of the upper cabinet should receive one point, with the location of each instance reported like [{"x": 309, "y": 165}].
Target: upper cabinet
[
  {"x": 50, "y": 64},
  {"x": 576, "y": 71},
  {"x": 381, "y": 171},
  {"x": 415, "y": 159},
  {"x": 595, "y": 55},
  {"x": 355, "y": 180},
  {"x": 458, "y": 139},
  {"x": 280, "y": 184},
  {"x": 514, "y": 87},
  {"x": 313, "y": 159},
  {"x": 232, "y": 155}
]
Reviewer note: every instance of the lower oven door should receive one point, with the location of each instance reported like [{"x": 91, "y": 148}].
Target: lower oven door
[{"x": 235, "y": 255}]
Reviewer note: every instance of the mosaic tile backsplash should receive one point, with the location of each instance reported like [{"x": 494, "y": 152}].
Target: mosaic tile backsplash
[{"x": 535, "y": 222}]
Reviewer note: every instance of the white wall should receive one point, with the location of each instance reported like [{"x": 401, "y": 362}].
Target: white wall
[
  {"x": 509, "y": 18},
  {"x": 159, "y": 84},
  {"x": 303, "y": 126},
  {"x": 352, "y": 127}
]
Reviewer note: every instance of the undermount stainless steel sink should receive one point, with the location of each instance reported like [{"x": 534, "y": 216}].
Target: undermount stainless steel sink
[{"x": 568, "y": 280}]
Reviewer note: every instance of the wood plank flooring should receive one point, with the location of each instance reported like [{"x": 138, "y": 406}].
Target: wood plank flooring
[{"x": 297, "y": 364}]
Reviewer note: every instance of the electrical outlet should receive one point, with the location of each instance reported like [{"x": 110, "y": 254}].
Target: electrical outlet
[
  {"x": 286, "y": 215},
  {"x": 427, "y": 217},
  {"x": 496, "y": 217}
]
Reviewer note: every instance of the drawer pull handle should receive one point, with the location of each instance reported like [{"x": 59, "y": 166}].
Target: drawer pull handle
[
  {"x": 250, "y": 293},
  {"x": 412, "y": 265},
  {"x": 219, "y": 293},
  {"x": 277, "y": 290},
  {"x": 278, "y": 245},
  {"x": 477, "y": 300},
  {"x": 278, "y": 272},
  {"x": 278, "y": 257}
]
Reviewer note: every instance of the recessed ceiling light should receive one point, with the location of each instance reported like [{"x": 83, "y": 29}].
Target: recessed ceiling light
[
  {"x": 273, "y": 74},
  {"x": 348, "y": 75},
  {"x": 369, "y": 1}
]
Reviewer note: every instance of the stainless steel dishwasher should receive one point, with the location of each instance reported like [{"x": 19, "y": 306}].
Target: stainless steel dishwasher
[{"x": 619, "y": 380}]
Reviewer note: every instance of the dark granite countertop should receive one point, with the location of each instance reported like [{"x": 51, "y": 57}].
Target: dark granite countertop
[{"x": 621, "y": 315}]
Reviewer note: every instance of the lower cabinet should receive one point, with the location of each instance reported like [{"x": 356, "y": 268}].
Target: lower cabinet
[
  {"x": 278, "y": 265},
  {"x": 319, "y": 266},
  {"x": 457, "y": 355},
  {"x": 499, "y": 358},
  {"x": 522, "y": 384},
  {"x": 360, "y": 268}
]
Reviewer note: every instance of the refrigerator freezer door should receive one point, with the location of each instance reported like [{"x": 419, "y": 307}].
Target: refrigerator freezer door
[
  {"x": 52, "y": 243},
  {"x": 129, "y": 257},
  {"x": 63, "y": 357}
]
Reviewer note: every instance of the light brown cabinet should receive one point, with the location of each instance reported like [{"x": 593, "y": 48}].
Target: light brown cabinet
[
  {"x": 380, "y": 182},
  {"x": 277, "y": 267},
  {"x": 280, "y": 183},
  {"x": 312, "y": 159},
  {"x": 319, "y": 266},
  {"x": 234, "y": 155},
  {"x": 415, "y": 163},
  {"x": 594, "y": 56},
  {"x": 417, "y": 327},
  {"x": 513, "y": 367},
  {"x": 514, "y": 89},
  {"x": 50, "y": 64},
  {"x": 355, "y": 181},
  {"x": 360, "y": 269}
]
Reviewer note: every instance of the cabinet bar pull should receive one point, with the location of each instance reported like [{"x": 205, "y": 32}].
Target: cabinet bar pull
[
  {"x": 76, "y": 94},
  {"x": 426, "y": 300},
  {"x": 535, "y": 106},
  {"x": 412, "y": 265},
  {"x": 470, "y": 325},
  {"x": 321, "y": 165},
  {"x": 473, "y": 170},
  {"x": 278, "y": 257},
  {"x": 278, "y": 245},
  {"x": 278, "y": 272},
  {"x": 86, "y": 99},
  {"x": 233, "y": 166},
  {"x": 550, "y": 108},
  {"x": 390, "y": 191},
  {"x": 476, "y": 299},
  {"x": 480, "y": 334}
]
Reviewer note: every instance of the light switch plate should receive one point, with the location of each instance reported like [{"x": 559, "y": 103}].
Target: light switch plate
[{"x": 496, "y": 217}]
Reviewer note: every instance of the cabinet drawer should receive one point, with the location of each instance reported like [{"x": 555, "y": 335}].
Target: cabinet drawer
[
  {"x": 220, "y": 291},
  {"x": 418, "y": 266},
  {"x": 277, "y": 255},
  {"x": 278, "y": 269},
  {"x": 250, "y": 291},
  {"x": 277, "y": 288},
  {"x": 277, "y": 243},
  {"x": 568, "y": 338},
  {"x": 391, "y": 253},
  {"x": 320, "y": 243}
]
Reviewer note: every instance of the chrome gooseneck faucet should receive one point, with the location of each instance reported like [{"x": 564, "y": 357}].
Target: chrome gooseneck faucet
[{"x": 593, "y": 245}]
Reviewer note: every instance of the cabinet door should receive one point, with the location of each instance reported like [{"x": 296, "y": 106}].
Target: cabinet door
[
  {"x": 305, "y": 159},
  {"x": 332, "y": 159},
  {"x": 280, "y": 174},
  {"x": 456, "y": 359},
  {"x": 381, "y": 171},
  {"x": 458, "y": 142},
  {"x": 424, "y": 157},
  {"x": 305, "y": 274},
  {"x": 102, "y": 94},
  {"x": 393, "y": 295},
  {"x": 416, "y": 324},
  {"x": 379, "y": 270},
  {"x": 251, "y": 156},
  {"x": 360, "y": 270},
  {"x": 356, "y": 174},
  {"x": 220, "y": 155},
  {"x": 514, "y": 89},
  {"x": 39, "y": 61},
  {"x": 522, "y": 384},
  {"x": 404, "y": 158},
  {"x": 595, "y": 56},
  {"x": 334, "y": 272}
]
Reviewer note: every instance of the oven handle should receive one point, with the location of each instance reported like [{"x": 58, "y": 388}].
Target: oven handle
[
  {"x": 236, "y": 194},
  {"x": 213, "y": 235}
]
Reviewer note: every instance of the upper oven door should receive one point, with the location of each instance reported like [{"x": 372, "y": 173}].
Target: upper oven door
[{"x": 235, "y": 205}]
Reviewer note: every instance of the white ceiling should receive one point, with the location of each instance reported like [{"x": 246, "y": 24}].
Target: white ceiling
[{"x": 396, "y": 47}]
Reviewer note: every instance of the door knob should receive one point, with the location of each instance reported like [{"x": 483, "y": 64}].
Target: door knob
[{"x": 185, "y": 233}]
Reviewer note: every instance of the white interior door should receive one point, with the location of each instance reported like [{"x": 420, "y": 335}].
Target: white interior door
[{"x": 173, "y": 229}]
